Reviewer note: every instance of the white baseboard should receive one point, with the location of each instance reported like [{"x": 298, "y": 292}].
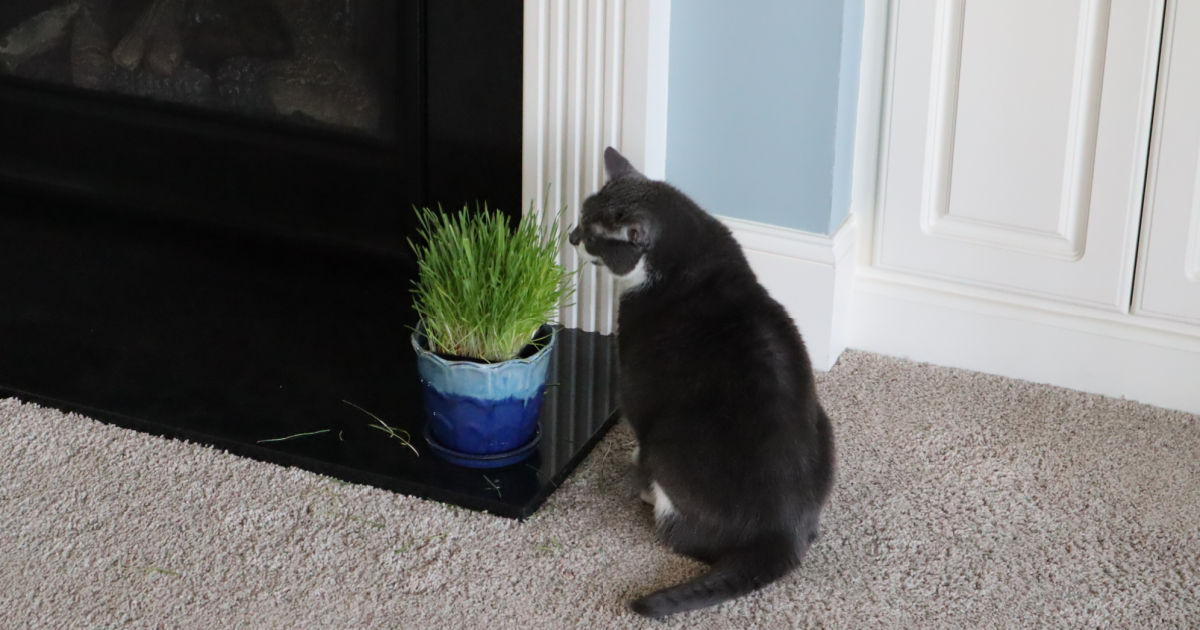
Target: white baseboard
[
  {"x": 838, "y": 302},
  {"x": 1142, "y": 359},
  {"x": 810, "y": 274}
]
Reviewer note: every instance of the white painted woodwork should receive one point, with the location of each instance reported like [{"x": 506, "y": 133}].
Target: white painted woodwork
[
  {"x": 1014, "y": 144},
  {"x": 1035, "y": 339},
  {"x": 1168, "y": 274},
  {"x": 594, "y": 77},
  {"x": 1013, "y": 153},
  {"x": 871, "y": 75}
]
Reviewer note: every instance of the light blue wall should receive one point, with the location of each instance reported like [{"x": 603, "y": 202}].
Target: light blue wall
[{"x": 760, "y": 119}]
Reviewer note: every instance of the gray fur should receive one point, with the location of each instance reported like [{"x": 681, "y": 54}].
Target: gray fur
[{"x": 718, "y": 388}]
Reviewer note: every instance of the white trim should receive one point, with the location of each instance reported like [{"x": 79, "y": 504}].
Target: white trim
[
  {"x": 595, "y": 75},
  {"x": 1144, "y": 330},
  {"x": 868, "y": 141},
  {"x": 648, "y": 50},
  {"x": 809, "y": 274},
  {"x": 837, "y": 304},
  {"x": 986, "y": 329},
  {"x": 1168, "y": 190},
  {"x": 1066, "y": 242},
  {"x": 782, "y": 241},
  {"x": 1103, "y": 277},
  {"x": 1034, "y": 339}
]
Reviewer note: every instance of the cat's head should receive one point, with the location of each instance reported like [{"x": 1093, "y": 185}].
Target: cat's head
[{"x": 618, "y": 226}]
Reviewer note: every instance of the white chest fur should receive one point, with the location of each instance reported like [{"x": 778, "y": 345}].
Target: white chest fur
[{"x": 635, "y": 278}]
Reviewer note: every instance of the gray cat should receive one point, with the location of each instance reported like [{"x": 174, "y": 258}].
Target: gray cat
[{"x": 735, "y": 451}]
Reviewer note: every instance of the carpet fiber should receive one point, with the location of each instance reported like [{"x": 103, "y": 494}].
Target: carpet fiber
[{"x": 963, "y": 500}]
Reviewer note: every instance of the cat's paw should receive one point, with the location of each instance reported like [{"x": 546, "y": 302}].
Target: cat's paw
[{"x": 647, "y": 495}]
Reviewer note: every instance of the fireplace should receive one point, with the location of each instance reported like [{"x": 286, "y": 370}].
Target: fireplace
[
  {"x": 204, "y": 214},
  {"x": 304, "y": 119},
  {"x": 320, "y": 63}
]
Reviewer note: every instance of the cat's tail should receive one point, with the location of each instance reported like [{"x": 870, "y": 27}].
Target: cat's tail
[{"x": 735, "y": 574}]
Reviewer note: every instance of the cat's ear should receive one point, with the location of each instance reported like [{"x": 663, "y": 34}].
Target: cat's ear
[
  {"x": 635, "y": 232},
  {"x": 617, "y": 166}
]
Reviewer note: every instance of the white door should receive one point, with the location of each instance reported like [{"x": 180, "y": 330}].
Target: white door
[
  {"x": 1168, "y": 282},
  {"x": 1015, "y": 142}
]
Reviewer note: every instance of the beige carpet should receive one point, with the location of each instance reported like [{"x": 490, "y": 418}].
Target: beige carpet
[{"x": 963, "y": 501}]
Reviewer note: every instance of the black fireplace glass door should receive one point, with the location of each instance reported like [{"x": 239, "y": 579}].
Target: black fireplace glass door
[{"x": 316, "y": 63}]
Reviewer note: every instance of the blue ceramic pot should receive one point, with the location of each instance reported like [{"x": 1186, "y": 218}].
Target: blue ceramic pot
[{"x": 483, "y": 415}]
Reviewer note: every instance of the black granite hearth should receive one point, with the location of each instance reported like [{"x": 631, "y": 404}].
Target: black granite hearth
[{"x": 227, "y": 340}]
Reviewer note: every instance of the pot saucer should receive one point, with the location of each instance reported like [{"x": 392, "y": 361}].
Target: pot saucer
[{"x": 490, "y": 460}]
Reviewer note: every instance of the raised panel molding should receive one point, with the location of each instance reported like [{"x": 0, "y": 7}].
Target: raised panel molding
[
  {"x": 936, "y": 300},
  {"x": 1167, "y": 285},
  {"x": 1068, "y": 240},
  {"x": 1005, "y": 174},
  {"x": 1192, "y": 253}
]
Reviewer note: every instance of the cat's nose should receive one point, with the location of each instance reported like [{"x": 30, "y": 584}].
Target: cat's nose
[{"x": 575, "y": 236}]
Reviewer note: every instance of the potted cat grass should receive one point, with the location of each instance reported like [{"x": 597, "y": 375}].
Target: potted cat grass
[{"x": 485, "y": 295}]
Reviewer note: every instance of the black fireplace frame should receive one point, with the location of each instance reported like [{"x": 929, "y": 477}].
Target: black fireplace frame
[
  {"x": 234, "y": 281},
  {"x": 453, "y": 137}
]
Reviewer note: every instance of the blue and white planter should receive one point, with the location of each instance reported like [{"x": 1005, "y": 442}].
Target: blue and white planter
[{"x": 483, "y": 415}]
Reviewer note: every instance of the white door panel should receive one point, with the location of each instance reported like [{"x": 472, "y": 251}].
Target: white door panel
[
  {"x": 1168, "y": 277},
  {"x": 1015, "y": 143},
  {"x": 1026, "y": 172}
]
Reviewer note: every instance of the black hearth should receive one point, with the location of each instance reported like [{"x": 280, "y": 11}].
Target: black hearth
[{"x": 210, "y": 243}]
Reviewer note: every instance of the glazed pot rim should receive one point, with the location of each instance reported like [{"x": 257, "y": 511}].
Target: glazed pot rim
[{"x": 548, "y": 330}]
